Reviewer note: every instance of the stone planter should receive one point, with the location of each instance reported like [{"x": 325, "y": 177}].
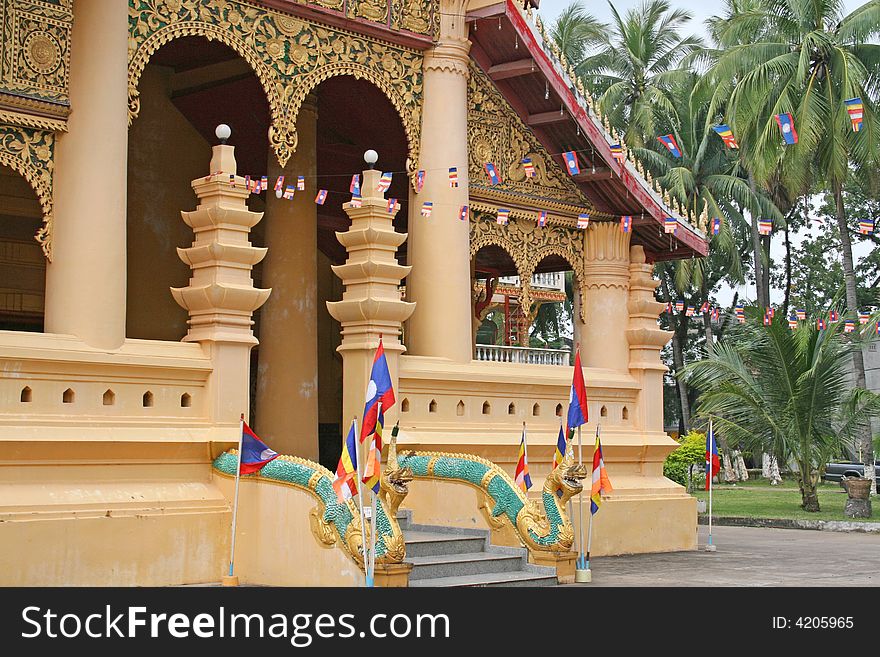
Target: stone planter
[{"x": 858, "y": 492}]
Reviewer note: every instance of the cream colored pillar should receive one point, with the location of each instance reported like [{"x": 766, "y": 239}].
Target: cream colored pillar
[
  {"x": 85, "y": 282},
  {"x": 606, "y": 293},
  {"x": 221, "y": 296},
  {"x": 287, "y": 385},
  {"x": 646, "y": 340},
  {"x": 439, "y": 247},
  {"x": 371, "y": 304}
]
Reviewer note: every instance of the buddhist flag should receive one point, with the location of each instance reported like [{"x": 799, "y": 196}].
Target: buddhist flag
[
  {"x": 232, "y": 180},
  {"x": 601, "y": 482},
  {"x": 739, "y": 311},
  {"x": 384, "y": 182},
  {"x": 503, "y": 216},
  {"x": 626, "y": 223},
  {"x": 765, "y": 226},
  {"x": 254, "y": 452},
  {"x": 679, "y": 305},
  {"x": 713, "y": 463},
  {"x": 279, "y": 184},
  {"x": 521, "y": 476},
  {"x": 617, "y": 152},
  {"x": 670, "y": 225},
  {"x": 583, "y": 220},
  {"x": 856, "y": 111},
  {"x": 792, "y": 322},
  {"x": 357, "y": 201},
  {"x": 801, "y": 314},
  {"x": 726, "y": 135},
  {"x": 571, "y": 163},
  {"x": 355, "y": 186},
  {"x": 669, "y": 142},
  {"x": 463, "y": 213},
  {"x": 321, "y": 197},
  {"x": 786, "y": 125},
  {"x": 300, "y": 183},
  {"x": 866, "y": 226},
  {"x": 559, "y": 454},
  {"x": 247, "y": 183},
  {"x": 373, "y": 466},
  {"x": 420, "y": 180},
  {"x": 391, "y": 206},
  {"x": 716, "y": 225},
  {"x": 542, "y": 218},
  {"x": 427, "y": 208},
  {"x": 689, "y": 312},
  {"x": 264, "y": 183},
  {"x": 528, "y": 167},
  {"x": 493, "y": 175},
  {"x": 346, "y": 470},
  {"x": 849, "y": 326},
  {"x": 289, "y": 192},
  {"x": 453, "y": 176},
  {"x": 864, "y": 317},
  {"x": 578, "y": 412}
]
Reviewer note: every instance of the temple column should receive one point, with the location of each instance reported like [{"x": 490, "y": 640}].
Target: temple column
[
  {"x": 221, "y": 296},
  {"x": 645, "y": 340},
  {"x": 439, "y": 247},
  {"x": 371, "y": 306},
  {"x": 85, "y": 282},
  {"x": 287, "y": 381},
  {"x": 605, "y": 297}
]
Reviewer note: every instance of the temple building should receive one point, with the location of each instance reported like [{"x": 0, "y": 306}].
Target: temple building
[{"x": 149, "y": 296}]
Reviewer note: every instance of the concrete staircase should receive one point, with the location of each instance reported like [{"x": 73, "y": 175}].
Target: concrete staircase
[{"x": 448, "y": 556}]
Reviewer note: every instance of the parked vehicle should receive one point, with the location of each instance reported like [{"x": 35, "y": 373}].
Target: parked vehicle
[{"x": 837, "y": 471}]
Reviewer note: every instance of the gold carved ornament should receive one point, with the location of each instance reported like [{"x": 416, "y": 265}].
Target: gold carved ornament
[
  {"x": 30, "y": 152},
  {"x": 290, "y": 56},
  {"x": 528, "y": 244}
]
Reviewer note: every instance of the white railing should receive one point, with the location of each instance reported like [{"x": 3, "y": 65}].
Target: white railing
[
  {"x": 522, "y": 355},
  {"x": 552, "y": 280}
]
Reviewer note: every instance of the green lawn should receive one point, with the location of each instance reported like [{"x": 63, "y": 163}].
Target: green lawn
[{"x": 757, "y": 499}]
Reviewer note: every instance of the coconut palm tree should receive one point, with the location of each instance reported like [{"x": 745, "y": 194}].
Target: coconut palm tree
[
  {"x": 633, "y": 65},
  {"x": 805, "y": 57},
  {"x": 784, "y": 392},
  {"x": 576, "y": 33}
]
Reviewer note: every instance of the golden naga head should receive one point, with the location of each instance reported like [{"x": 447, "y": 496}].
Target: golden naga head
[
  {"x": 565, "y": 481},
  {"x": 394, "y": 479}
]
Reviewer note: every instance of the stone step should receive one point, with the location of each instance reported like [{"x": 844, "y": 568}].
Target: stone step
[
  {"x": 516, "y": 578},
  {"x": 470, "y": 563},
  {"x": 422, "y": 543}
]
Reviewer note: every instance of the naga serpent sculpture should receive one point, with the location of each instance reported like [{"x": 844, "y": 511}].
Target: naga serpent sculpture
[
  {"x": 331, "y": 521},
  {"x": 543, "y": 527}
]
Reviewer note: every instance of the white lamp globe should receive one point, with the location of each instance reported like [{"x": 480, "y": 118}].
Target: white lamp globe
[
  {"x": 223, "y": 132},
  {"x": 278, "y": 193},
  {"x": 371, "y": 157}
]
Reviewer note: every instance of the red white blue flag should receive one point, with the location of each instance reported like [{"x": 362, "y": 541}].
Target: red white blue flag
[
  {"x": 626, "y": 223},
  {"x": 392, "y": 205},
  {"x": 578, "y": 413},
  {"x": 542, "y": 218},
  {"x": 279, "y": 184},
  {"x": 379, "y": 389},
  {"x": 254, "y": 452},
  {"x": 420, "y": 180},
  {"x": 492, "y": 173},
  {"x": 669, "y": 142},
  {"x": 355, "y": 186},
  {"x": 713, "y": 464},
  {"x": 463, "y": 213},
  {"x": 571, "y": 163},
  {"x": 264, "y": 183},
  {"x": 321, "y": 197},
  {"x": 357, "y": 201},
  {"x": 786, "y": 126},
  {"x": 716, "y": 225}
]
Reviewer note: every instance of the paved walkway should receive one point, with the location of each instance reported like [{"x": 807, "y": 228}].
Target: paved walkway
[{"x": 751, "y": 556}]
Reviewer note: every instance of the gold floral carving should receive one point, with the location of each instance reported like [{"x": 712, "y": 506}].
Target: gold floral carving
[
  {"x": 30, "y": 152},
  {"x": 35, "y": 58},
  {"x": 527, "y": 244},
  {"x": 289, "y": 55},
  {"x": 496, "y": 134}
]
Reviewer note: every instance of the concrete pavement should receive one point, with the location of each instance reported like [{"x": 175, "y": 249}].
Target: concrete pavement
[{"x": 752, "y": 556}]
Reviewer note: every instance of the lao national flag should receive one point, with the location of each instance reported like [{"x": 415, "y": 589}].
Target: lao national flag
[
  {"x": 578, "y": 413},
  {"x": 571, "y": 163},
  {"x": 391, "y": 205},
  {"x": 713, "y": 465},
  {"x": 542, "y": 218},
  {"x": 716, "y": 225},
  {"x": 379, "y": 389},
  {"x": 279, "y": 183},
  {"x": 492, "y": 173},
  {"x": 355, "y": 186},
  {"x": 626, "y": 223},
  {"x": 715, "y": 314},
  {"x": 463, "y": 213},
  {"x": 254, "y": 452},
  {"x": 420, "y": 180},
  {"x": 786, "y": 125},
  {"x": 669, "y": 142},
  {"x": 321, "y": 197}
]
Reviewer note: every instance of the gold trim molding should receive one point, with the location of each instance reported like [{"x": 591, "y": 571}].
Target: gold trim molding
[
  {"x": 31, "y": 153},
  {"x": 289, "y": 55}
]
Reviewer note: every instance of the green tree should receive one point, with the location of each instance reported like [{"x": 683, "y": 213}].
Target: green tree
[
  {"x": 784, "y": 392},
  {"x": 804, "y": 57},
  {"x": 576, "y": 33}
]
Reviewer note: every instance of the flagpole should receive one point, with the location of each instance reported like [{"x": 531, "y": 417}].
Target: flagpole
[
  {"x": 230, "y": 579},
  {"x": 582, "y": 571},
  {"x": 570, "y": 503},
  {"x": 361, "y": 502},
  {"x": 709, "y": 546},
  {"x": 590, "y": 528},
  {"x": 373, "y": 509}
]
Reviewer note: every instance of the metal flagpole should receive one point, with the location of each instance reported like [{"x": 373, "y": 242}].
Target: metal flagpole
[
  {"x": 582, "y": 571},
  {"x": 361, "y": 502},
  {"x": 232, "y": 580},
  {"x": 373, "y": 509},
  {"x": 570, "y": 503},
  {"x": 590, "y": 530},
  {"x": 709, "y": 546}
]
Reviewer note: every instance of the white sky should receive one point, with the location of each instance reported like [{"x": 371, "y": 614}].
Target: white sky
[{"x": 701, "y": 10}]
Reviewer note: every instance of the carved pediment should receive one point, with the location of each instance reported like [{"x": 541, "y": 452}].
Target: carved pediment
[{"x": 496, "y": 134}]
